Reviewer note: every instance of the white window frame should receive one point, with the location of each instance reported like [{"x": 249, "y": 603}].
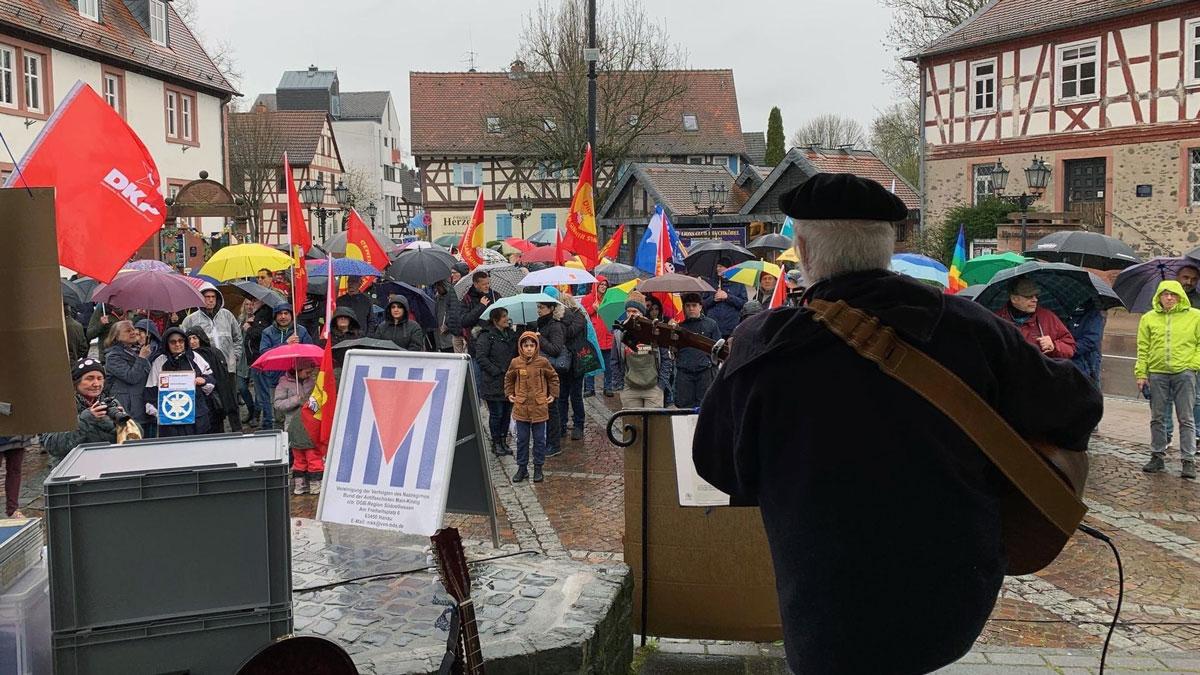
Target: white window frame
[
  {"x": 34, "y": 81},
  {"x": 695, "y": 159},
  {"x": 113, "y": 97},
  {"x": 695, "y": 122},
  {"x": 172, "y": 111},
  {"x": 185, "y": 117},
  {"x": 1094, "y": 43},
  {"x": 976, "y": 78},
  {"x": 8, "y": 90},
  {"x": 90, "y": 9},
  {"x": 493, "y": 126},
  {"x": 158, "y": 24},
  {"x": 475, "y": 181},
  {"x": 1194, "y": 176},
  {"x": 977, "y": 179},
  {"x": 1192, "y": 51}
]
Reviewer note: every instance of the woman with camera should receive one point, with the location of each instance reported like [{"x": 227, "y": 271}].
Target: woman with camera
[
  {"x": 126, "y": 367},
  {"x": 96, "y": 412}
]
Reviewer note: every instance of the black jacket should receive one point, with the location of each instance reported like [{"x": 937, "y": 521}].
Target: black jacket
[
  {"x": 552, "y": 336},
  {"x": 693, "y": 360},
  {"x": 355, "y": 330},
  {"x": 728, "y": 312},
  {"x": 882, "y": 517},
  {"x": 405, "y": 333},
  {"x": 361, "y": 305},
  {"x": 259, "y": 322},
  {"x": 473, "y": 309},
  {"x": 494, "y": 351}
]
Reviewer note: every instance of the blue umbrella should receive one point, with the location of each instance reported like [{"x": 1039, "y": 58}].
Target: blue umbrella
[
  {"x": 1136, "y": 284},
  {"x": 1063, "y": 288},
  {"x": 423, "y": 307},
  {"x": 921, "y": 267},
  {"x": 522, "y": 308},
  {"x": 344, "y": 267}
]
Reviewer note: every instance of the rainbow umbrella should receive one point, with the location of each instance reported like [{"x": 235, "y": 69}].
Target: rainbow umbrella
[
  {"x": 922, "y": 268},
  {"x": 788, "y": 255},
  {"x": 981, "y": 268},
  {"x": 748, "y": 273},
  {"x": 612, "y": 305}
]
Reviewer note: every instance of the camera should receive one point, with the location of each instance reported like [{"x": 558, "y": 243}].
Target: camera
[{"x": 115, "y": 411}]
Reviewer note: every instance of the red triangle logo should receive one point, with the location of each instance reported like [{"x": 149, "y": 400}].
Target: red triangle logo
[{"x": 396, "y": 404}]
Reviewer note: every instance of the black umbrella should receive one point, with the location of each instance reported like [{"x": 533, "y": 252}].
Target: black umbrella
[
  {"x": 1063, "y": 288},
  {"x": 314, "y": 253},
  {"x": 771, "y": 240},
  {"x": 423, "y": 308},
  {"x": 702, "y": 257},
  {"x": 1136, "y": 284},
  {"x": 1085, "y": 249},
  {"x": 971, "y": 292},
  {"x": 367, "y": 343},
  {"x": 86, "y": 285},
  {"x": 421, "y": 266},
  {"x": 71, "y": 294},
  {"x": 269, "y": 297},
  {"x": 617, "y": 273}
]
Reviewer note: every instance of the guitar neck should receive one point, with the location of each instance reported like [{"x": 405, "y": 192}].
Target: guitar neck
[{"x": 472, "y": 653}]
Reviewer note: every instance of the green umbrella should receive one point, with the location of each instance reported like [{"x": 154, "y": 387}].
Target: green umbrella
[
  {"x": 448, "y": 240},
  {"x": 612, "y": 305},
  {"x": 981, "y": 269}
]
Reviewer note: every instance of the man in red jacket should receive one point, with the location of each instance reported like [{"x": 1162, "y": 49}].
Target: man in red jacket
[{"x": 1038, "y": 325}]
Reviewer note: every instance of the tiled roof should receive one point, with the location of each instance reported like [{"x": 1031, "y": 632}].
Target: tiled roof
[
  {"x": 307, "y": 79},
  {"x": 449, "y": 114},
  {"x": 671, "y": 185},
  {"x": 762, "y": 171},
  {"x": 1002, "y": 20},
  {"x": 300, "y": 129},
  {"x": 118, "y": 38},
  {"x": 864, "y": 164},
  {"x": 756, "y": 146},
  {"x": 267, "y": 100},
  {"x": 363, "y": 105}
]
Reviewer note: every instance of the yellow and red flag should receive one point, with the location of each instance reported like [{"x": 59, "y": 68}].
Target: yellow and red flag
[
  {"x": 317, "y": 415},
  {"x": 581, "y": 217},
  {"x": 472, "y": 237},
  {"x": 613, "y": 247},
  {"x": 300, "y": 241},
  {"x": 361, "y": 245}
]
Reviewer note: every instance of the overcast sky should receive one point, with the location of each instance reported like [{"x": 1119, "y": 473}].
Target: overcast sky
[{"x": 806, "y": 56}]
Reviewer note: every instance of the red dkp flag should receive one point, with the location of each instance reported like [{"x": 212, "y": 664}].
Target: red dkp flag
[{"x": 108, "y": 192}]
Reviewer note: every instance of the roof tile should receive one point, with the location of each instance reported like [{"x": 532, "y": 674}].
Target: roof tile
[
  {"x": 864, "y": 164},
  {"x": 301, "y": 131}
]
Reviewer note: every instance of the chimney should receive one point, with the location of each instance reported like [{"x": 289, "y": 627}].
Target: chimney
[
  {"x": 312, "y": 70},
  {"x": 516, "y": 70}
]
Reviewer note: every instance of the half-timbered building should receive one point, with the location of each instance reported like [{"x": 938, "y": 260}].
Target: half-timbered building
[
  {"x": 459, "y": 144},
  {"x": 1106, "y": 91}
]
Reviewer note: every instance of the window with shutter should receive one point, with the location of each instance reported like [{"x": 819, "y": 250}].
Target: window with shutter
[
  {"x": 549, "y": 221},
  {"x": 504, "y": 225}
]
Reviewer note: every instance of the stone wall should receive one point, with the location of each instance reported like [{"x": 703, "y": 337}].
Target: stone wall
[{"x": 1165, "y": 216}]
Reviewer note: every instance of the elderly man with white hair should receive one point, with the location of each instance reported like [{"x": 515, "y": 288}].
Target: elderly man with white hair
[{"x": 882, "y": 515}]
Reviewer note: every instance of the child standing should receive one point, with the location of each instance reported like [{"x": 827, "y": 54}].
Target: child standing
[
  {"x": 308, "y": 466},
  {"x": 531, "y": 384}
]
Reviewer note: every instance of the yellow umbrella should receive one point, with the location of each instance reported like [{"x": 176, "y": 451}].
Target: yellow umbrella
[
  {"x": 788, "y": 256},
  {"x": 242, "y": 261},
  {"x": 575, "y": 263}
]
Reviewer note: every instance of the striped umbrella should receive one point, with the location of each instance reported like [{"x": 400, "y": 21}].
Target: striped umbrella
[
  {"x": 748, "y": 273},
  {"x": 921, "y": 267}
]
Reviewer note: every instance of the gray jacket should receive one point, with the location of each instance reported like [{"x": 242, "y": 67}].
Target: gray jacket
[
  {"x": 222, "y": 329},
  {"x": 91, "y": 430}
]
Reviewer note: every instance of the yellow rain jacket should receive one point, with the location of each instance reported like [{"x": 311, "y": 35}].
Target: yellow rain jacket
[{"x": 1168, "y": 342}]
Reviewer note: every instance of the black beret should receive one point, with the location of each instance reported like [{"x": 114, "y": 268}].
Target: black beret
[{"x": 842, "y": 196}]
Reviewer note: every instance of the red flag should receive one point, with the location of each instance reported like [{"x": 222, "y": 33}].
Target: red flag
[
  {"x": 472, "y": 237},
  {"x": 613, "y": 248},
  {"x": 300, "y": 241},
  {"x": 330, "y": 307},
  {"x": 779, "y": 297},
  {"x": 317, "y": 415},
  {"x": 361, "y": 245},
  {"x": 560, "y": 252},
  {"x": 108, "y": 192},
  {"x": 581, "y": 217}
]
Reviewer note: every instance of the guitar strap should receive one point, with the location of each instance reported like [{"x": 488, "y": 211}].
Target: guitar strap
[{"x": 1024, "y": 467}]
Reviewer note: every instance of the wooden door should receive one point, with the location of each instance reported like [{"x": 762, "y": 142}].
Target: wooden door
[{"x": 1084, "y": 182}]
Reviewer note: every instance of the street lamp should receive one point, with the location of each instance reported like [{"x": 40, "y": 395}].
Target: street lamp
[
  {"x": 372, "y": 211},
  {"x": 342, "y": 194},
  {"x": 520, "y": 213},
  {"x": 1037, "y": 177},
  {"x": 716, "y": 195}
]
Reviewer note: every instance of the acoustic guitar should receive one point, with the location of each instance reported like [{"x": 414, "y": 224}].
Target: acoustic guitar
[
  {"x": 465, "y": 657},
  {"x": 1040, "y": 503}
]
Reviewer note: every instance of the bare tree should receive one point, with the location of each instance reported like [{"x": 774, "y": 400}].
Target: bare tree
[
  {"x": 220, "y": 51},
  {"x": 830, "y": 131},
  {"x": 915, "y": 26},
  {"x": 362, "y": 189},
  {"x": 638, "y": 79},
  {"x": 256, "y": 146},
  {"x": 894, "y": 139}
]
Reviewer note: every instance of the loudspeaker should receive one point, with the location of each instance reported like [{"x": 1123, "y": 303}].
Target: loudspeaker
[{"x": 36, "y": 394}]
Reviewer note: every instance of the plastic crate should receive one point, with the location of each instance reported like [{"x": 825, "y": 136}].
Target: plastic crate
[
  {"x": 25, "y": 624},
  {"x": 216, "y": 644},
  {"x": 164, "y": 529}
]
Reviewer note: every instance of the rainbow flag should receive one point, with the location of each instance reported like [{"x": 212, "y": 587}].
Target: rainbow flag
[{"x": 957, "y": 262}]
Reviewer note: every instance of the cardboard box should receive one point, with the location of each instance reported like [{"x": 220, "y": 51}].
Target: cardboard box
[{"x": 710, "y": 573}]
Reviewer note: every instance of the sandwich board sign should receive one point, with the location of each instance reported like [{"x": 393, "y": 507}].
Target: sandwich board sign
[{"x": 406, "y": 444}]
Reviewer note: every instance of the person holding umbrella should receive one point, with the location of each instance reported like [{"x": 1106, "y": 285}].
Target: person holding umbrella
[
  {"x": 1167, "y": 341},
  {"x": 725, "y": 305},
  {"x": 282, "y": 331},
  {"x": 1039, "y": 326}
]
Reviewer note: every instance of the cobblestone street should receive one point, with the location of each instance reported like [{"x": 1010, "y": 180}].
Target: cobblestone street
[{"x": 578, "y": 512}]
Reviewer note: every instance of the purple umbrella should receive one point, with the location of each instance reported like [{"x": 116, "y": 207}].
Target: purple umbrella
[
  {"x": 147, "y": 265},
  {"x": 149, "y": 290}
]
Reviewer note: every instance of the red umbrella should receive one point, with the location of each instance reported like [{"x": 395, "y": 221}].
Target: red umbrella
[
  {"x": 286, "y": 357},
  {"x": 520, "y": 244},
  {"x": 541, "y": 254}
]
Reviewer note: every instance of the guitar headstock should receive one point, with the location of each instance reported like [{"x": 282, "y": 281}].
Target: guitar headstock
[{"x": 452, "y": 562}]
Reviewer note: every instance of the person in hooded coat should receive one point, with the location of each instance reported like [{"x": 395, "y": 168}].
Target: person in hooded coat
[
  {"x": 358, "y": 302},
  {"x": 604, "y": 338},
  {"x": 177, "y": 356},
  {"x": 444, "y": 303},
  {"x": 495, "y": 348},
  {"x": 126, "y": 367},
  {"x": 345, "y": 325},
  {"x": 551, "y": 344},
  {"x": 888, "y": 556},
  {"x": 1168, "y": 354},
  {"x": 224, "y": 399},
  {"x": 283, "y": 331},
  {"x": 531, "y": 385},
  {"x": 398, "y": 327},
  {"x": 224, "y": 333},
  {"x": 77, "y": 342}
]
